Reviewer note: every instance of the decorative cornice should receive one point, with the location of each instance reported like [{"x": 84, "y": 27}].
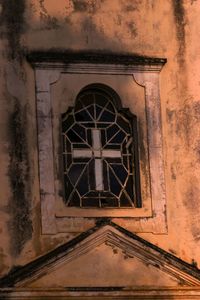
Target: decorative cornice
[
  {"x": 94, "y": 62},
  {"x": 92, "y": 57}
]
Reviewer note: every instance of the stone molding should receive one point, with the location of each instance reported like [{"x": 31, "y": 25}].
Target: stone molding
[
  {"x": 93, "y": 57},
  {"x": 15, "y": 284},
  {"x": 145, "y": 71},
  {"x": 134, "y": 293},
  {"x": 131, "y": 246}
]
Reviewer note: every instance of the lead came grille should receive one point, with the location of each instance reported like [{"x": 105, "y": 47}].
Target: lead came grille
[{"x": 98, "y": 153}]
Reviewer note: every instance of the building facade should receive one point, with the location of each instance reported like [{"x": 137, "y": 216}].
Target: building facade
[{"x": 99, "y": 149}]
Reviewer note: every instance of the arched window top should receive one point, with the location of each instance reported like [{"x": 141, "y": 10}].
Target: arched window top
[
  {"x": 97, "y": 106},
  {"x": 101, "y": 167},
  {"x": 102, "y": 89}
]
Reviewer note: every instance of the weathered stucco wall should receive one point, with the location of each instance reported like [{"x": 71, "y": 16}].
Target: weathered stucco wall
[{"x": 154, "y": 28}]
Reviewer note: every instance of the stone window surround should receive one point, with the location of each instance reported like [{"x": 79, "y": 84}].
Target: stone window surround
[{"x": 145, "y": 71}]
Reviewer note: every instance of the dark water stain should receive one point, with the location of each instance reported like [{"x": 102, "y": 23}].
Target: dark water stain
[
  {"x": 80, "y": 5},
  {"x": 173, "y": 171},
  {"x": 191, "y": 197},
  {"x": 131, "y": 7},
  {"x": 132, "y": 29},
  {"x": 12, "y": 20},
  {"x": 4, "y": 267},
  {"x": 191, "y": 202},
  {"x": 49, "y": 21},
  {"x": 87, "y": 6},
  {"x": 194, "y": 263},
  {"x": 172, "y": 251},
  {"x": 197, "y": 151},
  {"x": 180, "y": 22},
  {"x": 183, "y": 122},
  {"x": 142, "y": 143},
  {"x": 37, "y": 230},
  {"x": 20, "y": 224},
  {"x": 88, "y": 25},
  {"x": 189, "y": 118}
]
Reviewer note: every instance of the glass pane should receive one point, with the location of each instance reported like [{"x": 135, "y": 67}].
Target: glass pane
[
  {"x": 124, "y": 201},
  {"x": 73, "y": 137},
  {"x": 86, "y": 99},
  {"x": 109, "y": 202},
  {"x": 98, "y": 154},
  {"x": 120, "y": 172},
  {"x": 90, "y": 202},
  {"x": 110, "y": 107},
  {"x": 75, "y": 200},
  {"x": 103, "y": 125},
  {"x": 111, "y": 131},
  {"x": 101, "y": 100},
  {"x": 75, "y": 172},
  {"x": 82, "y": 186},
  {"x": 69, "y": 188},
  {"x": 91, "y": 110},
  {"x": 115, "y": 187},
  {"x": 106, "y": 116},
  {"x": 83, "y": 116},
  {"x": 118, "y": 138},
  {"x": 80, "y": 131},
  {"x": 123, "y": 124},
  {"x": 98, "y": 111},
  {"x": 67, "y": 123}
]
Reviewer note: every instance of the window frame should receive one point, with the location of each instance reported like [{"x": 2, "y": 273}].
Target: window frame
[
  {"x": 145, "y": 72},
  {"x": 108, "y": 92}
]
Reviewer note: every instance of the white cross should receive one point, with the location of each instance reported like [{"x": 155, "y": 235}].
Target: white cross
[{"x": 98, "y": 153}]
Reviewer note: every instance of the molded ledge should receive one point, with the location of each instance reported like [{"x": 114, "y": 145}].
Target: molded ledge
[{"x": 96, "y": 57}]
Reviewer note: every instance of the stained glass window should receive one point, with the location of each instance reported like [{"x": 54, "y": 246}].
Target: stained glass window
[{"x": 100, "y": 155}]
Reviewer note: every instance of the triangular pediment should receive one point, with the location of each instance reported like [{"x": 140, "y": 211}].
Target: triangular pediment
[{"x": 105, "y": 256}]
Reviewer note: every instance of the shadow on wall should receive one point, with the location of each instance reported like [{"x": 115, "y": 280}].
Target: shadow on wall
[
  {"x": 88, "y": 25},
  {"x": 48, "y": 31}
]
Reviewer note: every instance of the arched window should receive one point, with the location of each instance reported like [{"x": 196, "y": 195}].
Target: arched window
[{"x": 100, "y": 152}]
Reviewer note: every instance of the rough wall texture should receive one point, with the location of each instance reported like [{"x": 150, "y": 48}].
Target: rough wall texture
[
  {"x": 19, "y": 207},
  {"x": 155, "y": 28}
]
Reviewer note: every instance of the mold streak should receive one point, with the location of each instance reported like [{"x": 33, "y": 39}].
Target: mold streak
[
  {"x": 20, "y": 223},
  {"x": 179, "y": 14},
  {"x": 13, "y": 20}
]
